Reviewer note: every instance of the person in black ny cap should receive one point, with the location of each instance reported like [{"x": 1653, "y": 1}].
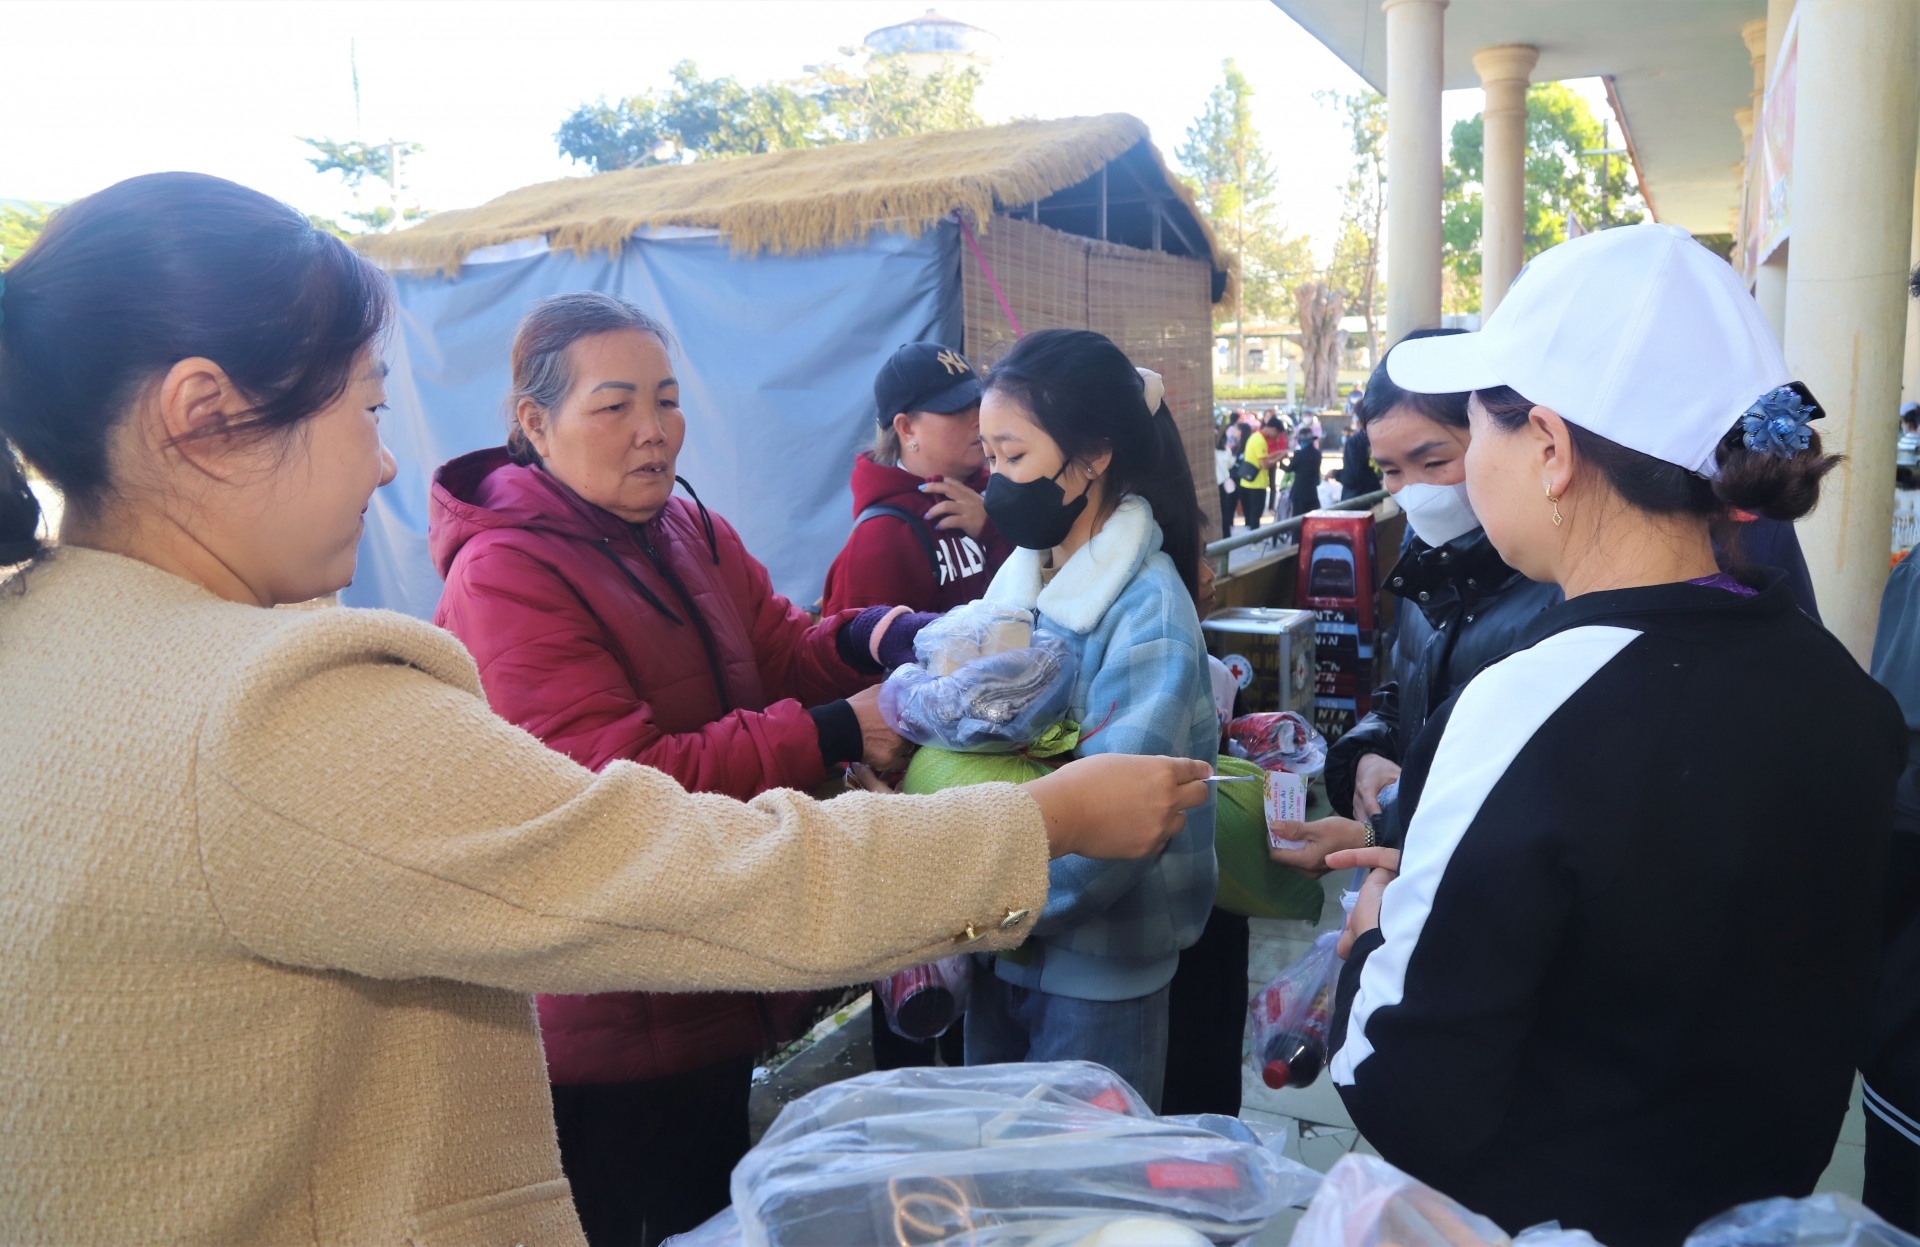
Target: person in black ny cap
[{"x": 921, "y": 537}]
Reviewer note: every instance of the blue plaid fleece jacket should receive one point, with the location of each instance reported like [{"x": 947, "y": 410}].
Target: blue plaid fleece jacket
[{"x": 1114, "y": 930}]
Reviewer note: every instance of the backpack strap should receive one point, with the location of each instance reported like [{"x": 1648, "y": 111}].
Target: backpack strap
[{"x": 915, "y": 522}]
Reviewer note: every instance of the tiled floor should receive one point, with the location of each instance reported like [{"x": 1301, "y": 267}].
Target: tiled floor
[{"x": 1321, "y": 1130}]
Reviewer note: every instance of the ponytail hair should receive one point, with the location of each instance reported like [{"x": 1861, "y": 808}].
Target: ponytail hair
[
  {"x": 1749, "y": 480},
  {"x": 1087, "y": 396}
]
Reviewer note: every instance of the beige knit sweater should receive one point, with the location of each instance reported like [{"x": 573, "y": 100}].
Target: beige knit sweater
[{"x": 277, "y": 884}]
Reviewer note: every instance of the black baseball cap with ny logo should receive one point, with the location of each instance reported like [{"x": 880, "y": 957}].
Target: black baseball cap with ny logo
[{"x": 924, "y": 376}]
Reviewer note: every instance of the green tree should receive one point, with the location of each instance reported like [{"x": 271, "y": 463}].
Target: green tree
[
  {"x": 1355, "y": 267},
  {"x": 1226, "y": 165},
  {"x": 20, "y": 224},
  {"x": 1561, "y": 182},
  {"x": 889, "y": 98},
  {"x": 702, "y": 118},
  {"x": 359, "y": 163}
]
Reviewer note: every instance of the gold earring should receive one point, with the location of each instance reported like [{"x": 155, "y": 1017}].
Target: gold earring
[{"x": 1556, "y": 506}]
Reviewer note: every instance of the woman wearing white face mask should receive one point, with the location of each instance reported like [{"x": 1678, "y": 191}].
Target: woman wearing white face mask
[
  {"x": 1460, "y": 607},
  {"x": 1606, "y": 984}
]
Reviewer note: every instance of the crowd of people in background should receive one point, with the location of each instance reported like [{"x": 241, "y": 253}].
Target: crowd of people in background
[{"x": 334, "y": 924}]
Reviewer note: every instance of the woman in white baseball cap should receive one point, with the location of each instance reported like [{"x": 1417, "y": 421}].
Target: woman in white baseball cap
[{"x": 1608, "y": 983}]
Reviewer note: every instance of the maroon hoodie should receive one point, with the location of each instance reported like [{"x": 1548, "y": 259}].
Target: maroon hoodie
[
  {"x": 666, "y": 646},
  {"x": 884, "y": 562}
]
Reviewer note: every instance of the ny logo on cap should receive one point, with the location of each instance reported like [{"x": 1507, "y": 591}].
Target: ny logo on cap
[{"x": 951, "y": 362}]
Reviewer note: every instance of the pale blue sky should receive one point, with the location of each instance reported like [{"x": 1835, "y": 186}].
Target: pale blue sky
[{"x": 95, "y": 92}]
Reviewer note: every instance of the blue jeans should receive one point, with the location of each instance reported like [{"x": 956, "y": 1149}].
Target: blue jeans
[{"x": 1007, "y": 1023}]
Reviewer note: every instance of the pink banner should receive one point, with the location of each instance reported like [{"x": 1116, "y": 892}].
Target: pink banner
[{"x": 1765, "y": 213}]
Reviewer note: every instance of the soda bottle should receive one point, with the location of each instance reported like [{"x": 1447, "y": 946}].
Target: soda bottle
[{"x": 1295, "y": 1056}]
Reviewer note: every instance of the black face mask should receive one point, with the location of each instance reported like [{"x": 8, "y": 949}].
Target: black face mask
[{"x": 1034, "y": 515}]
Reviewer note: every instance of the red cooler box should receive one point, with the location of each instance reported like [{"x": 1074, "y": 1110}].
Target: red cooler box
[{"x": 1338, "y": 583}]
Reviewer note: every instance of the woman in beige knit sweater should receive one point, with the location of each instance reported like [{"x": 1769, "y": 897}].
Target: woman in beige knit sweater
[{"x": 278, "y": 884}]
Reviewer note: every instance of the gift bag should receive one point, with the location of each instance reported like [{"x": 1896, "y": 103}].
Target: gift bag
[
  {"x": 921, "y": 1002},
  {"x": 1293, "y": 1017}
]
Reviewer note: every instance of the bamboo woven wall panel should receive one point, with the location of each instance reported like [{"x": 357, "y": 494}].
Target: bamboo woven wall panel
[{"x": 1155, "y": 307}]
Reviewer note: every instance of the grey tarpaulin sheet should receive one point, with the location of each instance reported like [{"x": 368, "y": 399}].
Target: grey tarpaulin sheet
[{"x": 776, "y": 361}]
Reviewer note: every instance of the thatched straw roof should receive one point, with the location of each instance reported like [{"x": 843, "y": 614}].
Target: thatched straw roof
[{"x": 791, "y": 201}]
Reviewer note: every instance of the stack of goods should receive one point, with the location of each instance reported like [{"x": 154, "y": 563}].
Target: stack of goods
[
  {"x": 1046, "y": 1153},
  {"x": 987, "y": 700}
]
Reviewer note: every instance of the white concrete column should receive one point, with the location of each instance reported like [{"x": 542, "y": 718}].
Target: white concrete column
[
  {"x": 1910, "y": 375},
  {"x": 1504, "y": 72},
  {"x": 1856, "y": 127},
  {"x": 1415, "y": 29}
]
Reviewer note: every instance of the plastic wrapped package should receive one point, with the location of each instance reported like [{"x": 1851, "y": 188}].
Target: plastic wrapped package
[
  {"x": 1816, "y": 1221},
  {"x": 723, "y": 1230},
  {"x": 1292, "y": 1018},
  {"x": 992, "y": 704},
  {"x": 921, "y": 1002},
  {"x": 969, "y": 632},
  {"x": 1280, "y": 740},
  {"x": 916, "y": 1157},
  {"x": 1365, "y": 1202}
]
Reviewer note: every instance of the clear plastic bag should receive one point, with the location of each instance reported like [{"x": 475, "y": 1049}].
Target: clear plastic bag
[
  {"x": 1365, "y": 1202},
  {"x": 921, "y": 1002},
  {"x": 917, "y": 1156},
  {"x": 969, "y": 632},
  {"x": 1293, "y": 1016},
  {"x": 991, "y": 704},
  {"x": 1279, "y": 740},
  {"x": 1816, "y": 1221}
]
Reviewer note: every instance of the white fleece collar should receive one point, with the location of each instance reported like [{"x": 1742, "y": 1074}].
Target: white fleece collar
[{"x": 1093, "y": 578}]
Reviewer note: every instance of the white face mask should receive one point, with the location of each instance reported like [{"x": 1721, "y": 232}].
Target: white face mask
[{"x": 1438, "y": 513}]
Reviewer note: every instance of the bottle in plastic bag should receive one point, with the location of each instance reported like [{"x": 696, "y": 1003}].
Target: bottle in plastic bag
[
  {"x": 1293, "y": 1018},
  {"x": 921, "y": 1002}
]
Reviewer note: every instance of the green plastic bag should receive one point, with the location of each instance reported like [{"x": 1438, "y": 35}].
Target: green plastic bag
[
  {"x": 1250, "y": 882},
  {"x": 934, "y": 769}
]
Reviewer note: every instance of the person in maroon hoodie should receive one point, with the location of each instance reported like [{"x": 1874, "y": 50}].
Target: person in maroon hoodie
[
  {"x": 615, "y": 621},
  {"x": 921, "y": 537}
]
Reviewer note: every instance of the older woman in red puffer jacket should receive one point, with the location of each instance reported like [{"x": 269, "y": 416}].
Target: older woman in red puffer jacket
[{"x": 615, "y": 621}]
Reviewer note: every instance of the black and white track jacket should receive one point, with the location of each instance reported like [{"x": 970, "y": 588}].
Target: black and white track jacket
[{"x": 1621, "y": 979}]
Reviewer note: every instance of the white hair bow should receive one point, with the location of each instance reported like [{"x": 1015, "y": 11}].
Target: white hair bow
[{"x": 1156, "y": 388}]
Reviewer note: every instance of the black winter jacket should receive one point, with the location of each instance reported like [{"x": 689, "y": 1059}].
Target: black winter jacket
[
  {"x": 1891, "y": 1056},
  {"x": 1612, "y": 984},
  {"x": 1461, "y": 608}
]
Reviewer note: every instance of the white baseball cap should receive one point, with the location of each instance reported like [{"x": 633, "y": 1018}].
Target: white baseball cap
[{"x": 1637, "y": 333}]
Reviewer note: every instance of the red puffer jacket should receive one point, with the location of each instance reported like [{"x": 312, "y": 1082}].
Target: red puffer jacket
[
  {"x": 684, "y": 659},
  {"x": 884, "y": 562}
]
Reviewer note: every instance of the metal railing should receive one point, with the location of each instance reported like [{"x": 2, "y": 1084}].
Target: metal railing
[{"x": 1219, "y": 550}]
